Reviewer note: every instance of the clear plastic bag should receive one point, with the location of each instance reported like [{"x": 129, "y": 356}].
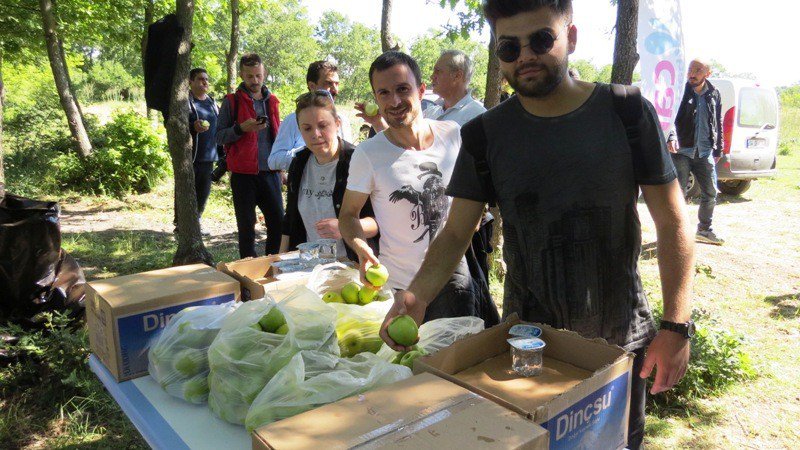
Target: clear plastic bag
[
  {"x": 313, "y": 379},
  {"x": 358, "y": 327},
  {"x": 178, "y": 356},
  {"x": 437, "y": 334},
  {"x": 243, "y": 357},
  {"x": 333, "y": 277}
]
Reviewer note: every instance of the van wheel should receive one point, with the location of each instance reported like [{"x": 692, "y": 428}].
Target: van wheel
[
  {"x": 692, "y": 188},
  {"x": 733, "y": 187}
]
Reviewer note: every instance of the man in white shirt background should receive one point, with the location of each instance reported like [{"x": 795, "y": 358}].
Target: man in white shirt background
[
  {"x": 321, "y": 75},
  {"x": 403, "y": 171},
  {"x": 452, "y": 74}
]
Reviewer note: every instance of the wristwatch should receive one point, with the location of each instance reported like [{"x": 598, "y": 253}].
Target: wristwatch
[{"x": 684, "y": 329}]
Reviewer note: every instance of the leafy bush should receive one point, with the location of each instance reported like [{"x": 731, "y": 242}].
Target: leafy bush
[
  {"x": 129, "y": 157},
  {"x": 717, "y": 362},
  {"x": 109, "y": 80},
  {"x": 786, "y": 146}
]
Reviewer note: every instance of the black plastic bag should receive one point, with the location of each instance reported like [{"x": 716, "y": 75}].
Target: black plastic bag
[{"x": 35, "y": 274}]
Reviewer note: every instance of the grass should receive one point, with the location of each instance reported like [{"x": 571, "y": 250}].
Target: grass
[{"x": 750, "y": 286}]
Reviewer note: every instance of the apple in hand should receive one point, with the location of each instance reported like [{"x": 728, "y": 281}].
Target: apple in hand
[
  {"x": 371, "y": 109},
  {"x": 377, "y": 275},
  {"x": 403, "y": 330}
]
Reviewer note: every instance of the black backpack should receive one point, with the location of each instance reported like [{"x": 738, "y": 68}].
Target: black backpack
[{"x": 627, "y": 105}]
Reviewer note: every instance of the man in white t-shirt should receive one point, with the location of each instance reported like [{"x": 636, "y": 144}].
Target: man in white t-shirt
[
  {"x": 321, "y": 75},
  {"x": 404, "y": 170},
  {"x": 451, "y": 76}
]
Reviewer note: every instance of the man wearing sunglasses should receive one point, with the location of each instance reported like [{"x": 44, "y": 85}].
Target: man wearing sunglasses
[
  {"x": 321, "y": 75},
  {"x": 557, "y": 160}
]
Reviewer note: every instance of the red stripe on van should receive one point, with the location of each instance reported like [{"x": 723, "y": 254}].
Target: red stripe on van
[{"x": 727, "y": 130}]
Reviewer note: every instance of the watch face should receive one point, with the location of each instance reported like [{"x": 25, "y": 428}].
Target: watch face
[{"x": 690, "y": 329}]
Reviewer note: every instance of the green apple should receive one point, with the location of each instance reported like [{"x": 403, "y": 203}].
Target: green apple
[
  {"x": 372, "y": 344},
  {"x": 272, "y": 320},
  {"x": 283, "y": 329},
  {"x": 204, "y": 123},
  {"x": 332, "y": 297},
  {"x": 371, "y": 109},
  {"x": 377, "y": 275},
  {"x": 409, "y": 357},
  {"x": 403, "y": 330},
  {"x": 195, "y": 390},
  {"x": 190, "y": 362},
  {"x": 350, "y": 292},
  {"x": 366, "y": 295},
  {"x": 351, "y": 343}
]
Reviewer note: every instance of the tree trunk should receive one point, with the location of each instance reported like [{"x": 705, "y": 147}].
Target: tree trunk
[
  {"x": 61, "y": 76},
  {"x": 625, "y": 55},
  {"x": 190, "y": 242},
  {"x": 148, "y": 19},
  {"x": 2, "y": 104},
  {"x": 387, "y": 43},
  {"x": 490, "y": 100},
  {"x": 230, "y": 58},
  {"x": 493, "y": 77}
]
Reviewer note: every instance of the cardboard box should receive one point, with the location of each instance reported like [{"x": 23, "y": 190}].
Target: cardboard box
[
  {"x": 258, "y": 276},
  {"x": 421, "y": 412},
  {"x": 582, "y": 396},
  {"x": 124, "y": 313}
]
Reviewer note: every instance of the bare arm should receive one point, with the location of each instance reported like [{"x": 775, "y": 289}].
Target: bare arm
[
  {"x": 440, "y": 261},
  {"x": 352, "y": 230},
  {"x": 669, "y": 352}
]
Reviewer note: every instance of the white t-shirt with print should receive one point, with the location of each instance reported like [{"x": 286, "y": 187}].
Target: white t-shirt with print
[
  {"x": 406, "y": 188},
  {"x": 315, "y": 199}
]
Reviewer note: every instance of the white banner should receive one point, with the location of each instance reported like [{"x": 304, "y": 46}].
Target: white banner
[{"x": 663, "y": 64}]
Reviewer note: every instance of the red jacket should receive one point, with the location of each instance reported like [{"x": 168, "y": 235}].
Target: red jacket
[{"x": 242, "y": 155}]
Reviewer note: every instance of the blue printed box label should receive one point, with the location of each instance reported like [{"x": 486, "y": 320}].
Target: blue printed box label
[
  {"x": 135, "y": 332},
  {"x": 596, "y": 421}
]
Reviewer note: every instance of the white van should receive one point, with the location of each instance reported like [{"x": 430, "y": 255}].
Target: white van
[{"x": 750, "y": 135}]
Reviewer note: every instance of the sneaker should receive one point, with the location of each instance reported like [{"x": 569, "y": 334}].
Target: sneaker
[{"x": 708, "y": 237}]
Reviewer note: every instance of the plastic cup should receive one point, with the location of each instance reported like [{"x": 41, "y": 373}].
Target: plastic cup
[{"x": 526, "y": 355}]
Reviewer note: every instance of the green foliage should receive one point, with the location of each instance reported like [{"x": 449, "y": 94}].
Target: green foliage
[
  {"x": 717, "y": 362},
  {"x": 427, "y": 48},
  {"x": 589, "y": 72},
  {"x": 109, "y": 80},
  {"x": 790, "y": 96},
  {"x": 48, "y": 380},
  {"x": 129, "y": 156},
  {"x": 354, "y": 46}
]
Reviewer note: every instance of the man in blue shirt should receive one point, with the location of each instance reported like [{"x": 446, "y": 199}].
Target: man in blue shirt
[
  {"x": 698, "y": 144},
  {"x": 321, "y": 75},
  {"x": 203, "y": 114}
]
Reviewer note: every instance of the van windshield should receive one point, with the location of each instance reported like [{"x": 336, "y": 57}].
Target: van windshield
[{"x": 757, "y": 107}]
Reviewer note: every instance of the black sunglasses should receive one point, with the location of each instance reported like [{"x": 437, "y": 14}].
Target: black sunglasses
[{"x": 540, "y": 42}]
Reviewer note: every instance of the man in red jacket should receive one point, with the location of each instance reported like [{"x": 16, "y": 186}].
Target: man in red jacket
[{"x": 247, "y": 125}]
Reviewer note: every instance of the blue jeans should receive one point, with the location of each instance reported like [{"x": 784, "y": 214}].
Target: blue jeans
[{"x": 704, "y": 176}]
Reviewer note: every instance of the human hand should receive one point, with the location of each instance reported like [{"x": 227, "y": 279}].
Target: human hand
[
  {"x": 672, "y": 146},
  {"x": 250, "y": 125},
  {"x": 198, "y": 126},
  {"x": 375, "y": 121},
  {"x": 669, "y": 354},
  {"x": 405, "y": 302},
  {"x": 328, "y": 229},
  {"x": 366, "y": 258}
]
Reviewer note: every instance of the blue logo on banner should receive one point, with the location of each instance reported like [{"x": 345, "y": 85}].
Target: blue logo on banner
[
  {"x": 597, "y": 421},
  {"x": 136, "y": 331}
]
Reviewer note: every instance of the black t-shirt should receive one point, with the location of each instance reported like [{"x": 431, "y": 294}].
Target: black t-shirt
[{"x": 567, "y": 189}]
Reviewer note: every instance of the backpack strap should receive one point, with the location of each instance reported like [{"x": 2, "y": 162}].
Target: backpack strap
[
  {"x": 628, "y": 106},
  {"x": 475, "y": 135}
]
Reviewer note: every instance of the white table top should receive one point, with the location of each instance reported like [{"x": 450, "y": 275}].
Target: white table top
[{"x": 167, "y": 422}]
